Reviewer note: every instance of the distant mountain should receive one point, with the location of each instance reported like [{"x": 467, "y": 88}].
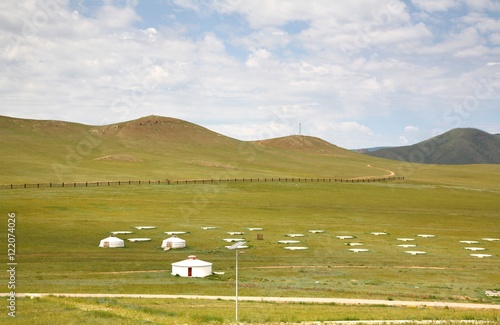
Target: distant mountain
[
  {"x": 367, "y": 150},
  {"x": 456, "y": 147}
]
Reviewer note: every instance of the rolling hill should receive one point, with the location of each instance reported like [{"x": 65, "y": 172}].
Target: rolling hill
[
  {"x": 308, "y": 144},
  {"x": 155, "y": 147},
  {"x": 456, "y": 147}
]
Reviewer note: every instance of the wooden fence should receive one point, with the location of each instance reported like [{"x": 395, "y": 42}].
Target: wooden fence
[{"x": 202, "y": 181}]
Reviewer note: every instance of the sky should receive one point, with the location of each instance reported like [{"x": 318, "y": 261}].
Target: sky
[{"x": 358, "y": 73}]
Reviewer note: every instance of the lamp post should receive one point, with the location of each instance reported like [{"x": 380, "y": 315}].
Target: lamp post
[{"x": 235, "y": 246}]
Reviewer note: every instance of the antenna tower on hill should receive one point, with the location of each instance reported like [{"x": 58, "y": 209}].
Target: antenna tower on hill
[{"x": 300, "y": 128}]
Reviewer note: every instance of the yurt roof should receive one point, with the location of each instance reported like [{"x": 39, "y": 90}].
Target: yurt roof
[
  {"x": 190, "y": 262},
  {"x": 175, "y": 239},
  {"x": 113, "y": 239}
]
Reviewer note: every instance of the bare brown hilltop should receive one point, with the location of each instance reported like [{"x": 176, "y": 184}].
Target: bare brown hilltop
[
  {"x": 159, "y": 128},
  {"x": 306, "y": 144}
]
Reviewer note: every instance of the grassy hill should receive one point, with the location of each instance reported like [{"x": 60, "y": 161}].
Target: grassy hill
[
  {"x": 156, "y": 147},
  {"x": 455, "y": 147},
  {"x": 306, "y": 144},
  {"x": 160, "y": 148}
]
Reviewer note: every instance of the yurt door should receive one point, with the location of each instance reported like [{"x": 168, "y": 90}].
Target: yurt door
[{"x": 190, "y": 271}]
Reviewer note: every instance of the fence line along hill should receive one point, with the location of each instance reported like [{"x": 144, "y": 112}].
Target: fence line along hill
[
  {"x": 206, "y": 181},
  {"x": 154, "y": 147}
]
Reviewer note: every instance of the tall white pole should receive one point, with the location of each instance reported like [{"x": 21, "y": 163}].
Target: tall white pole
[
  {"x": 235, "y": 247},
  {"x": 236, "y": 285}
]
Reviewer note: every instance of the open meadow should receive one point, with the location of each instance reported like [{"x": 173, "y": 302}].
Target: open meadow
[{"x": 58, "y": 232}]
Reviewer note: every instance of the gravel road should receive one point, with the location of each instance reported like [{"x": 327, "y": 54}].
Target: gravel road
[{"x": 342, "y": 301}]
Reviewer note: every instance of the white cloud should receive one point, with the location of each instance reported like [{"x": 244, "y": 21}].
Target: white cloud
[
  {"x": 350, "y": 127},
  {"x": 117, "y": 18},
  {"x": 258, "y": 58},
  {"x": 434, "y": 6},
  {"x": 261, "y": 13},
  {"x": 476, "y": 51},
  {"x": 481, "y": 22},
  {"x": 411, "y": 128},
  {"x": 408, "y": 33},
  {"x": 347, "y": 134},
  {"x": 403, "y": 141},
  {"x": 465, "y": 38},
  {"x": 349, "y": 66},
  {"x": 151, "y": 33},
  {"x": 269, "y": 37},
  {"x": 414, "y": 134},
  {"x": 265, "y": 13},
  {"x": 494, "y": 38},
  {"x": 482, "y": 5}
]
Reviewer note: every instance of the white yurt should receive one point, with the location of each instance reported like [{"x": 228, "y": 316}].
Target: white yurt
[
  {"x": 112, "y": 242},
  {"x": 173, "y": 242},
  {"x": 192, "y": 267}
]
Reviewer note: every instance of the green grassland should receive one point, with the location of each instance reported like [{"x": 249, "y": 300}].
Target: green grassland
[
  {"x": 58, "y": 232},
  {"x": 58, "y": 229},
  {"x": 182, "y": 311}
]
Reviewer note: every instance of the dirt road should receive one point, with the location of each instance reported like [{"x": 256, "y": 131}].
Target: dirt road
[
  {"x": 390, "y": 173},
  {"x": 342, "y": 301}
]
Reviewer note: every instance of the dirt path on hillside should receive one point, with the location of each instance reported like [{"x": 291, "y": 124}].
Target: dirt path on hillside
[
  {"x": 342, "y": 301},
  {"x": 390, "y": 173}
]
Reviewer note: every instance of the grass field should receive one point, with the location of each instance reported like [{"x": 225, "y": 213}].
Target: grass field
[
  {"x": 58, "y": 231},
  {"x": 182, "y": 311}
]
